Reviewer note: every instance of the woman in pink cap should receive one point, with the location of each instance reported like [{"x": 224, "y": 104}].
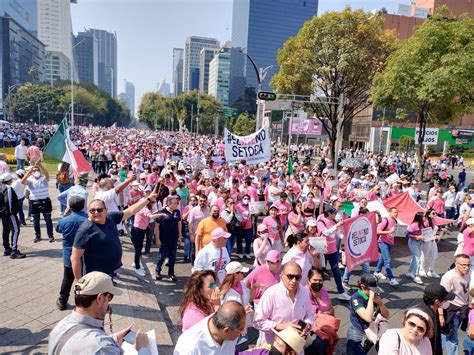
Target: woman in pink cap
[
  {"x": 261, "y": 245},
  {"x": 264, "y": 276}
]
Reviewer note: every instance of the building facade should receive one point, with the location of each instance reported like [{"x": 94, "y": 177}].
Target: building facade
[
  {"x": 205, "y": 58},
  {"x": 86, "y": 58},
  {"x": 177, "y": 71},
  {"x": 107, "y": 60},
  {"x": 164, "y": 88},
  {"x": 24, "y": 12},
  {"x": 192, "y": 51},
  {"x": 219, "y": 76},
  {"x": 261, "y": 27},
  {"x": 20, "y": 51},
  {"x": 128, "y": 96}
]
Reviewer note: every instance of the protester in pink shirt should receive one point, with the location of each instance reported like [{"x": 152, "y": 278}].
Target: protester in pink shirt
[
  {"x": 200, "y": 299},
  {"x": 33, "y": 154},
  {"x": 437, "y": 203},
  {"x": 262, "y": 245},
  {"x": 296, "y": 218},
  {"x": 264, "y": 276},
  {"x": 468, "y": 234},
  {"x": 246, "y": 224},
  {"x": 274, "y": 227},
  {"x": 284, "y": 209},
  {"x": 385, "y": 230}
]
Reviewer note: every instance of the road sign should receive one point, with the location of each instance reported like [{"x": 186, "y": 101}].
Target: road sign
[
  {"x": 431, "y": 136},
  {"x": 267, "y": 95},
  {"x": 230, "y": 112}
]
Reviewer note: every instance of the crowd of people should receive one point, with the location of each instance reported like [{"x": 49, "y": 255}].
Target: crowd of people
[{"x": 176, "y": 189}]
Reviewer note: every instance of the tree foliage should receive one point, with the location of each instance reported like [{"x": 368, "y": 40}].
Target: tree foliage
[
  {"x": 431, "y": 74},
  {"x": 51, "y": 103},
  {"x": 337, "y": 53},
  {"x": 243, "y": 125},
  {"x": 169, "y": 112}
]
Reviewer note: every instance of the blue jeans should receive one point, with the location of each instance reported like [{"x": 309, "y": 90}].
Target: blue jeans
[
  {"x": 384, "y": 259},
  {"x": 168, "y": 249},
  {"x": 450, "y": 212},
  {"x": 230, "y": 244},
  {"x": 186, "y": 241},
  {"x": 62, "y": 188},
  {"x": 333, "y": 260},
  {"x": 20, "y": 164},
  {"x": 468, "y": 345},
  {"x": 355, "y": 341},
  {"x": 450, "y": 343},
  {"x": 415, "y": 249},
  {"x": 246, "y": 234},
  {"x": 347, "y": 273}
]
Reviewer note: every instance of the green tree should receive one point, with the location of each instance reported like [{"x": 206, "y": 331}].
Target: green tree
[
  {"x": 243, "y": 125},
  {"x": 337, "y": 53},
  {"x": 432, "y": 74},
  {"x": 151, "y": 108}
]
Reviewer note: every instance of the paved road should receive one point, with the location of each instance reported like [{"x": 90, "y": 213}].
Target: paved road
[{"x": 29, "y": 289}]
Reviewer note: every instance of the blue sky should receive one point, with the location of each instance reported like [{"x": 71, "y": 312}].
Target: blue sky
[{"x": 147, "y": 30}]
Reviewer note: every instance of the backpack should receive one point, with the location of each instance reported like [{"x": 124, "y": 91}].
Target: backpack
[{"x": 62, "y": 177}]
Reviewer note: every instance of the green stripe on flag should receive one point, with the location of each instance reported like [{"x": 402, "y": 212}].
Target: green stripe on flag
[
  {"x": 57, "y": 146},
  {"x": 347, "y": 207},
  {"x": 290, "y": 166}
]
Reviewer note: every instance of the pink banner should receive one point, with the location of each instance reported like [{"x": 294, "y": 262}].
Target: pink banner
[
  {"x": 360, "y": 240},
  {"x": 311, "y": 126}
]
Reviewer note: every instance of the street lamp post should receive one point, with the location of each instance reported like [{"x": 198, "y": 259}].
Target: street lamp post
[
  {"x": 72, "y": 80},
  {"x": 10, "y": 89},
  {"x": 261, "y": 74}
]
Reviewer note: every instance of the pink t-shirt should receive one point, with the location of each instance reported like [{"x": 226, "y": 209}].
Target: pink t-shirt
[
  {"x": 191, "y": 316},
  {"x": 33, "y": 152},
  {"x": 283, "y": 209},
  {"x": 262, "y": 276},
  {"x": 468, "y": 242},
  {"x": 219, "y": 202},
  {"x": 323, "y": 305},
  {"x": 413, "y": 229},
  {"x": 141, "y": 218},
  {"x": 292, "y": 217},
  {"x": 323, "y": 225},
  {"x": 385, "y": 225},
  {"x": 272, "y": 226},
  {"x": 437, "y": 204},
  {"x": 247, "y": 217}
]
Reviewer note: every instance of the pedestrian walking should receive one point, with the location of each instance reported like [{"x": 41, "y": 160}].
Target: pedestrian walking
[{"x": 9, "y": 207}]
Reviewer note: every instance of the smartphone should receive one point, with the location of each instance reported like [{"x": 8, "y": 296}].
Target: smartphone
[{"x": 130, "y": 337}]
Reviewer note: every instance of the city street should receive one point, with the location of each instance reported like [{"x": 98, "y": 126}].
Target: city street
[{"x": 29, "y": 289}]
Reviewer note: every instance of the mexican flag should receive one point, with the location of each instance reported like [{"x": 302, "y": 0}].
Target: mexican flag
[
  {"x": 62, "y": 148},
  {"x": 290, "y": 165}
]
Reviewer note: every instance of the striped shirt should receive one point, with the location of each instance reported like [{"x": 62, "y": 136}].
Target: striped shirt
[{"x": 38, "y": 188}]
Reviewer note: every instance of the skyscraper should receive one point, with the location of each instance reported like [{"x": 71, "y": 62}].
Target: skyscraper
[
  {"x": 261, "y": 27},
  {"x": 177, "y": 71},
  {"x": 20, "y": 51},
  {"x": 129, "y": 96},
  {"x": 55, "y": 31},
  {"x": 164, "y": 88},
  {"x": 107, "y": 60},
  {"x": 219, "y": 76},
  {"x": 24, "y": 12},
  {"x": 192, "y": 51},
  {"x": 205, "y": 58},
  {"x": 86, "y": 58}
]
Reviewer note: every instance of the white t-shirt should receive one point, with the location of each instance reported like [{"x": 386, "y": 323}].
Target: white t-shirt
[
  {"x": 208, "y": 257},
  {"x": 198, "y": 341},
  {"x": 19, "y": 189},
  {"x": 110, "y": 199},
  {"x": 272, "y": 197},
  {"x": 20, "y": 152}
]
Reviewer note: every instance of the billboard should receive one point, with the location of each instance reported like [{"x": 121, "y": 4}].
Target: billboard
[{"x": 309, "y": 127}]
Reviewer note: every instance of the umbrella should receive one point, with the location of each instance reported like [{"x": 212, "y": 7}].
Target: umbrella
[{"x": 352, "y": 163}]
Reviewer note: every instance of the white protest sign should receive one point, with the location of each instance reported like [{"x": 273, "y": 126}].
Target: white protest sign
[
  {"x": 319, "y": 243},
  {"x": 360, "y": 194},
  {"x": 400, "y": 231},
  {"x": 428, "y": 234},
  {"x": 254, "y": 148},
  {"x": 431, "y": 136},
  {"x": 257, "y": 207},
  {"x": 207, "y": 174},
  {"x": 392, "y": 179}
]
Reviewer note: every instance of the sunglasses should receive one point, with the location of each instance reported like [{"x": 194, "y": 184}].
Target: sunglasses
[
  {"x": 418, "y": 328},
  {"x": 293, "y": 277},
  {"x": 274, "y": 262},
  {"x": 98, "y": 210}
]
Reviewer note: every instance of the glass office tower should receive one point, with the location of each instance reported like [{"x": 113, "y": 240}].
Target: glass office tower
[{"x": 261, "y": 27}]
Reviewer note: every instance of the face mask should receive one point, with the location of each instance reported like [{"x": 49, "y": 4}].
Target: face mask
[
  {"x": 245, "y": 202},
  {"x": 215, "y": 215},
  {"x": 316, "y": 286},
  {"x": 36, "y": 174},
  {"x": 264, "y": 235}
]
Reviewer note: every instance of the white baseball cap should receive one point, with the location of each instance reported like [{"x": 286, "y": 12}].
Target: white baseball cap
[
  {"x": 234, "y": 267},
  {"x": 95, "y": 282},
  {"x": 470, "y": 222}
]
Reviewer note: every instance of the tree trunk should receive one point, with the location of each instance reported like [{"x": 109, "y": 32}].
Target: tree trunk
[{"x": 420, "y": 148}]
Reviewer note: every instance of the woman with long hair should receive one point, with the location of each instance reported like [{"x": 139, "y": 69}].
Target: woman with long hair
[
  {"x": 272, "y": 221},
  {"x": 414, "y": 244},
  {"x": 429, "y": 248},
  {"x": 299, "y": 253},
  {"x": 413, "y": 338},
  {"x": 200, "y": 299}
]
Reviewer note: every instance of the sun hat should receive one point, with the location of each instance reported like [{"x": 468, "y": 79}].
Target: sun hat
[
  {"x": 94, "y": 283},
  {"x": 292, "y": 338},
  {"x": 273, "y": 256},
  {"x": 234, "y": 267}
]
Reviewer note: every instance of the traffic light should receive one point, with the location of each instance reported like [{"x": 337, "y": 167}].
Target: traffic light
[{"x": 267, "y": 95}]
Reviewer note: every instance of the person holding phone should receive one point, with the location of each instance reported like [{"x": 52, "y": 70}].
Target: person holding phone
[{"x": 365, "y": 305}]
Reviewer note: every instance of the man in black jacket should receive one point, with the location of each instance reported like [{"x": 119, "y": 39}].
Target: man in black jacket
[{"x": 9, "y": 208}]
